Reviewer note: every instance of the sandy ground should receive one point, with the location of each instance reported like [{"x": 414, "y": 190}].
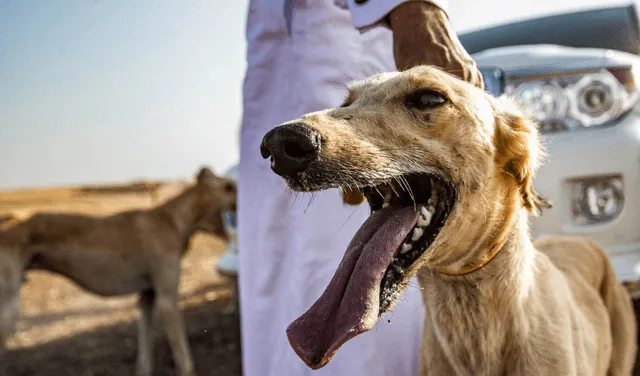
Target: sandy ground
[{"x": 64, "y": 330}]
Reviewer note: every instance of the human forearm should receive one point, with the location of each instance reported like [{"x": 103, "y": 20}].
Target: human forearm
[{"x": 422, "y": 35}]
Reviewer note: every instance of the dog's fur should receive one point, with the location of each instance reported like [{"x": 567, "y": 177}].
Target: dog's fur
[
  {"x": 4, "y": 218},
  {"x": 131, "y": 252},
  {"x": 546, "y": 307}
]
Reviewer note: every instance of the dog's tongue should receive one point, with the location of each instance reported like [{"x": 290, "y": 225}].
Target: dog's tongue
[{"x": 350, "y": 304}]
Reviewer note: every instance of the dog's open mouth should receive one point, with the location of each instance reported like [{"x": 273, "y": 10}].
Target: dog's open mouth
[{"x": 407, "y": 215}]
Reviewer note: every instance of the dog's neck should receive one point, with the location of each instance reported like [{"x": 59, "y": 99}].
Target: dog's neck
[
  {"x": 463, "y": 309},
  {"x": 183, "y": 212}
]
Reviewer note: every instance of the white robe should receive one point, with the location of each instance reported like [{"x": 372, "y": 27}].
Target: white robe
[{"x": 291, "y": 244}]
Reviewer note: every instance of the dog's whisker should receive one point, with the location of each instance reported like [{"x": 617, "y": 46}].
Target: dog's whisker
[
  {"x": 312, "y": 198},
  {"x": 347, "y": 219},
  {"x": 415, "y": 285},
  {"x": 413, "y": 198},
  {"x": 405, "y": 183},
  {"x": 295, "y": 199},
  {"x": 394, "y": 190},
  {"x": 401, "y": 183}
]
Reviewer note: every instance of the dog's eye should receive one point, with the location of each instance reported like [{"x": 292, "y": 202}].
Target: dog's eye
[
  {"x": 229, "y": 188},
  {"x": 424, "y": 99}
]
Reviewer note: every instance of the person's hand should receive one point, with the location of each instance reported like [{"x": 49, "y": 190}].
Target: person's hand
[{"x": 422, "y": 36}]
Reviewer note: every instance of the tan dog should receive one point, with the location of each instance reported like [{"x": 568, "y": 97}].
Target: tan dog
[
  {"x": 131, "y": 252},
  {"x": 448, "y": 170}
]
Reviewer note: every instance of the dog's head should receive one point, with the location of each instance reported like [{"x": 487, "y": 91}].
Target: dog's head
[
  {"x": 443, "y": 166},
  {"x": 215, "y": 196}
]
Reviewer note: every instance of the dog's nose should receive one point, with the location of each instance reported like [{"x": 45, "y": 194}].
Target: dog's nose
[{"x": 292, "y": 147}]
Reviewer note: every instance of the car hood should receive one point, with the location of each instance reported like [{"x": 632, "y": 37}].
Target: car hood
[{"x": 540, "y": 59}]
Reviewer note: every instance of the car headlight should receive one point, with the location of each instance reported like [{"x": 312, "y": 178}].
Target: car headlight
[
  {"x": 597, "y": 200},
  {"x": 573, "y": 101}
]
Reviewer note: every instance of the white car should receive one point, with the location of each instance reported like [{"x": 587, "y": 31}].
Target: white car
[{"x": 578, "y": 75}]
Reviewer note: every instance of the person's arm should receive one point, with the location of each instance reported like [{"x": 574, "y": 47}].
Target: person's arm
[{"x": 421, "y": 34}]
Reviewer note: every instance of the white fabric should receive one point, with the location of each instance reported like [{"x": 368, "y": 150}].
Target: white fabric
[
  {"x": 228, "y": 263},
  {"x": 291, "y": 244},
  {"x": 372, "y": 12}
]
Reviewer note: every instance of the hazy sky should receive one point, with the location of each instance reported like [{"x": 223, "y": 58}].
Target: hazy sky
[{"x": 112, "y": 90}]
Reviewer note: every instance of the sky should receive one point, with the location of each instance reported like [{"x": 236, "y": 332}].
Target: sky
[
  {"x": 113, "y": 90},
  {"x": 107, "y": 91}
]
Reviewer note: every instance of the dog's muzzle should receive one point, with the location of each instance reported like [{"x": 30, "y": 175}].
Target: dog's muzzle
[{"x": 292, "y": 148}]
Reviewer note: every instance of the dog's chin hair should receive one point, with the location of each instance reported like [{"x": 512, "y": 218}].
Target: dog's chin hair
[
  {"x": 321, "y": 180},
  {"x": 394, "y": 292},
  {"x": 330, "y": 175},
  {"x": 303, "y": 185},
  {"x": 395, "y": 295},
  {"x": 325, "y": 178}
]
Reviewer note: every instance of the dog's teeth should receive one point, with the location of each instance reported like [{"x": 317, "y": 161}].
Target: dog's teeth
[
  {"x": 406, "y": 247},
  {"x": 431, "y": 209},
  {"x": 432, "y": 201},
  {"x": 417, "y": 233},
  {"x": 387, "y": 199},
  {"x": 425, "y": 216},
  {"x": 424, "y": 219}
]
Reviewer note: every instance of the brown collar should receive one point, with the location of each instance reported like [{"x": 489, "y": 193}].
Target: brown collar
[
  {"x": 495, "y": 249},
  {"x": 507, "y": 234},
  {"x": 478, "y": 265}
]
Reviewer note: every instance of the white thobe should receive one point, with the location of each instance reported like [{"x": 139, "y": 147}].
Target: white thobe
[{"x": 291, "y": 244}]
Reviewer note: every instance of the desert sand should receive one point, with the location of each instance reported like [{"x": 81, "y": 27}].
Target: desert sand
[{"x": 64, "y": 330}]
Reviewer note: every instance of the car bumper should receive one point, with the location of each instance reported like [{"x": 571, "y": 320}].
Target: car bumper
[{"x": 592, "y": 153}]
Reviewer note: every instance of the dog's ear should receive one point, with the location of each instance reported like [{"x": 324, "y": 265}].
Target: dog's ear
[
  {"x": 519, "y": 153},
  {"x": 352, "y": 196},
  {"x": 205, "y": 175}
]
